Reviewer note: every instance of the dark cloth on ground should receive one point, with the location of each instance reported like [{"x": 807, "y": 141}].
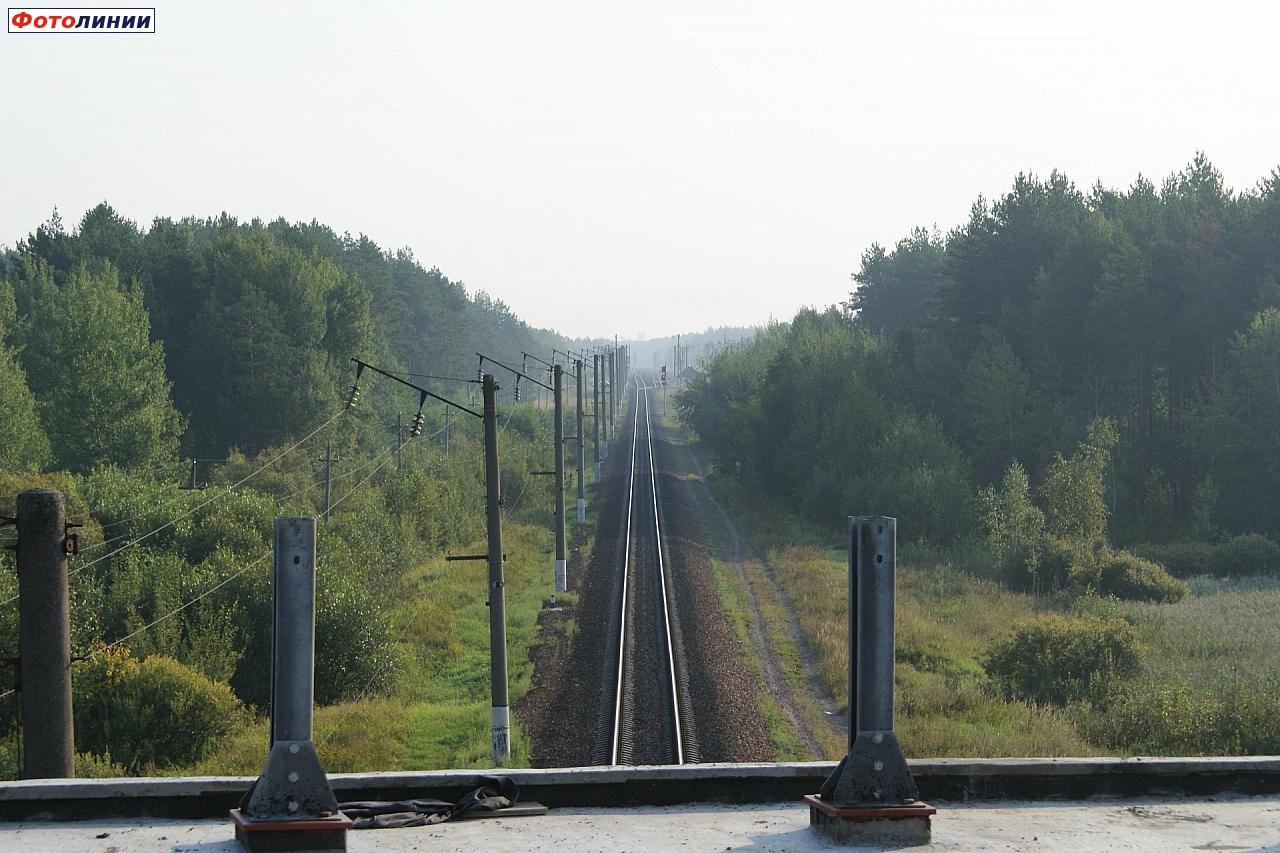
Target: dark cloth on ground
[{"x": 491, "y": 793}]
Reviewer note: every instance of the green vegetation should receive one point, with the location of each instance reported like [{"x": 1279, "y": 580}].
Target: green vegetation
[
  {"x": 1070, "y": 404},
  {"x": 152, "y": 713},
  {"x": 124, "y": 351},
  {"x": 1054, "y": 660},
  {"x": 1142, "y": 324}
]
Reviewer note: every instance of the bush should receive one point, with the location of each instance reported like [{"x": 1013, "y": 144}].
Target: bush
[
  {"x": 354, "y": 653},
  {"x": 1042, "y": 566},
  {"x": 1057, "y": 660},
  {"x": 1056, "y": 563},
  {"x": 1239, "y": 556},
  {"x": 1247, "y": 554},
  {"x": 153, "y": 713},
  {"x": 1127, "y": 576},
  {"x": 1170, "y": 718},
  {"x": 1182, "y": 559}
]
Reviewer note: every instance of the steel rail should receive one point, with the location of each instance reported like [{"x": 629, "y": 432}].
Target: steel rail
[
  {"x": 662, "y": 583},
  {"x": 622, "y": 609},
  {"x": 622, "y": 675}
]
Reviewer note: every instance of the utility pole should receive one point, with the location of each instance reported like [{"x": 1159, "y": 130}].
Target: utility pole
[
  {"x": 447, "y": 413},
  {"x": 399, "y": 442},
  {"x": 500, "y": 717},
  {"x": 604, "y": 408},
  {"x": 44, "y": 636},
  {"x": 562, "y": 564},
  {"x": 582, "y": 451},
  {"x": 613, "y": 389},
  {"x": 328, "y": 461},
  {"x": 595, "y": 410}
]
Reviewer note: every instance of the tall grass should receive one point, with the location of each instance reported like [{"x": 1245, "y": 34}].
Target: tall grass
[{"x": 945, "y": 621}]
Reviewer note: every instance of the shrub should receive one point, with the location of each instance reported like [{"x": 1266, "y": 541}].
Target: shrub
[
  {"x": 1042, "y": 566},
  {"x": 354, "y": 653},
  {"x": 1182, "y": 559},
  {"x": 1057, "y": 559},
  {"x": 150, "y": 713},
  {"x": 1243, "y": 555},
  {"x": 1127, "y": 576},
  {"x": 1247, "y": 554},
  {"x": 1057, "y": 660}
]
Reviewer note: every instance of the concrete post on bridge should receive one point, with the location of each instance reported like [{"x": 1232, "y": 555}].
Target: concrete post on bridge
[
  {"x": 871, "y": 797},
  {"x": 44, "y": 636},
  {"x": 291, "y": 806}
]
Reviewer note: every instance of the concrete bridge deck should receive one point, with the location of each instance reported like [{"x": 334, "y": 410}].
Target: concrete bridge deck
[
  {"x": 1157, "y": 804},
  {"x": 1158, "y": 825}
]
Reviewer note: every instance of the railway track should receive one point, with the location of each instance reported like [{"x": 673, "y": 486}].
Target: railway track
[{"x": 649, "y": 720}]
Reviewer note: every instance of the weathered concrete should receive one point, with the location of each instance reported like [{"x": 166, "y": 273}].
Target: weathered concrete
[
  {"x": 1146, "y": 826},
  {"x": 956, "y": 780}
]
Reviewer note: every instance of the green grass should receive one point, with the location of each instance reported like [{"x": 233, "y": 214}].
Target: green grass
[
  {"x": 1226, "y": 629},
  {"x": 439, "y": 715},
  {"x": 1207, "y": 687}
]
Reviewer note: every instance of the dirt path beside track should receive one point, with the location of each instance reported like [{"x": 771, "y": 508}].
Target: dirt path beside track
[{"x": 761, "y": 592}]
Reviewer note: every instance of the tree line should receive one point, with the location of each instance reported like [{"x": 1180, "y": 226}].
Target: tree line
[
  {"x": 1136, "y": 328},
  {"x": 202, "y": 335}
]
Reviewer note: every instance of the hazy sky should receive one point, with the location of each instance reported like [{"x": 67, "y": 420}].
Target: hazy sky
[{"x": 638, "y": 167}]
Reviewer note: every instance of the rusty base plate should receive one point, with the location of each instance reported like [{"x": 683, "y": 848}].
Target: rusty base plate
[
  {"x": 856, "y": 813},
  {"x": 321, "y": 835}
]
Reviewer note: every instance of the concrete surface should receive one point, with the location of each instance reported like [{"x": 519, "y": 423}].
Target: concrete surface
[
  {"x": 1055, "y": 779},
  {"x": 1147, "y": 824}
]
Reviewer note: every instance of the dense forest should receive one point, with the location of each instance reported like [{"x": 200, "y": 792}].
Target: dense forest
[
  {"x": 127, "y": 352},
  {"x": 1151, "y": 313},
  {"x": 209, "y": 334}
]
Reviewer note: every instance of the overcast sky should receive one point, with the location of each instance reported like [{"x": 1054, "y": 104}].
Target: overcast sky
[{"x": 633, "y": 168}]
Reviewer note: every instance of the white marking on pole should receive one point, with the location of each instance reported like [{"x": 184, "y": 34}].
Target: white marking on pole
[{"x": 500, "y": 718}]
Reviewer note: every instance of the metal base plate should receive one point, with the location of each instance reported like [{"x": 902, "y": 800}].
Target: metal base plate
[
  {"x": 320, "y": 835},
  {"x": 870, "y": 812},
  {"x": 884, "y": 826}
]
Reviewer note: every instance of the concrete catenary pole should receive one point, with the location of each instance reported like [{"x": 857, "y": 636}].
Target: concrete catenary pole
[
  {"x": 500, "y": 718},
  {"x": 604, "y": 406},
  {"x": 328, "y": 461},
  {"x": 595, "y": 411},
  {"x": 399, "y": 441},
  {"x": 562, "y": 565},
  {"x": 44, "y": 637},
  {"x": 613, "y": 387},
  {"x": 582, "y": 450}
]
